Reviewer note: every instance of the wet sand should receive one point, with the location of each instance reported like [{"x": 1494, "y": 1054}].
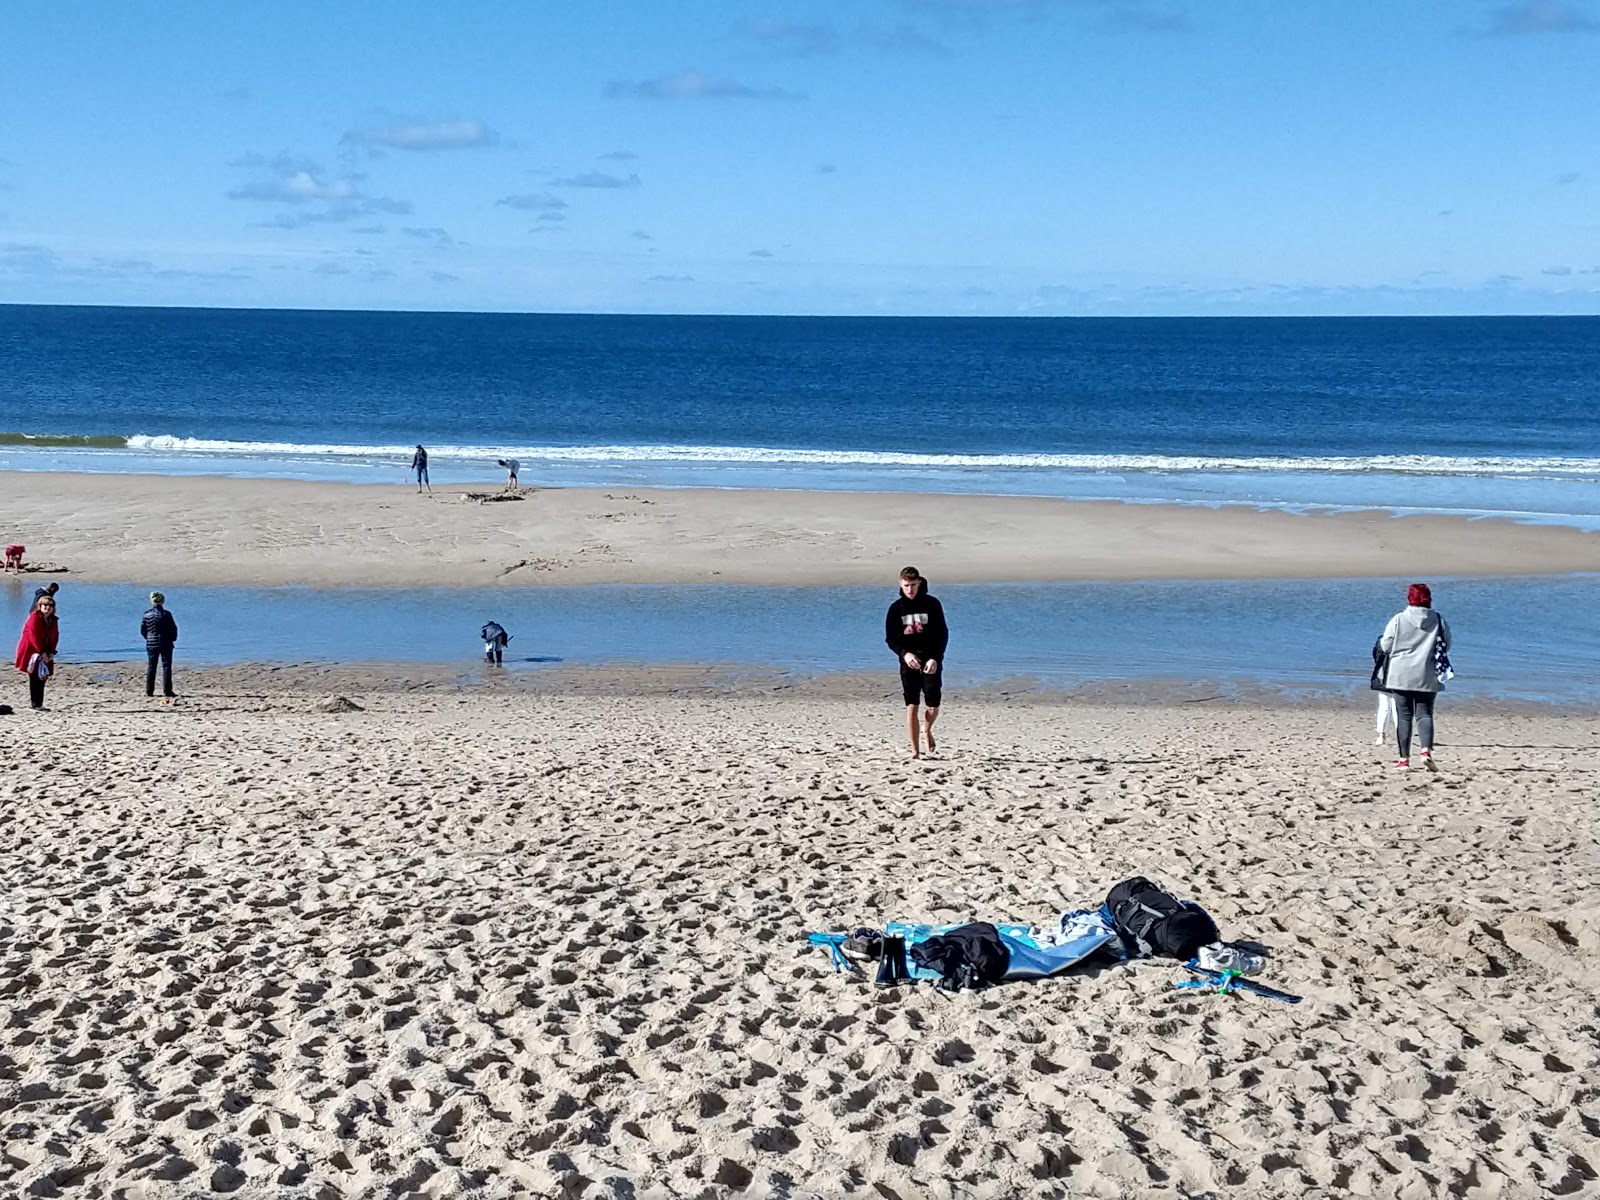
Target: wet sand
[
  {"x": 495, "y": 942},
  {"x": 207, "y": 530}
]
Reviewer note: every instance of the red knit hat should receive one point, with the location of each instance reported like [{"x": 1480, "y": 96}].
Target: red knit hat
[{"x": 1418, "y": 596}]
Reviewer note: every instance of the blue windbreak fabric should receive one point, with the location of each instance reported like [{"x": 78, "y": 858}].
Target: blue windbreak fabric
[{"x": 1029, "y": 961}]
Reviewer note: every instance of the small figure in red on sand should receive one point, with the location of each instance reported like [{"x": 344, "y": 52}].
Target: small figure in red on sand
[{"x": 14, "y": 557}]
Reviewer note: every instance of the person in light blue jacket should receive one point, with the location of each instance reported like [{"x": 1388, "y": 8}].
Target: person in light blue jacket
[{"x": 1414, "y": 644}]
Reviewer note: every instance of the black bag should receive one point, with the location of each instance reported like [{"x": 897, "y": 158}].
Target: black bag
[
  {"x": 1380, "y": 667},
  {"x": 1153, "y": 922},
  {"x": 971, "y": 956}
]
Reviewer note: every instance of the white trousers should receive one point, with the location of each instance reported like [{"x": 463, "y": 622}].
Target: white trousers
[{"x": 1384, "y": 719}]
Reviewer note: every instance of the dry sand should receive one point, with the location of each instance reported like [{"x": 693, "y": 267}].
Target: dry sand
[
  {"x": 464, "y": 942},
  {"x": 126, "y": 528}
]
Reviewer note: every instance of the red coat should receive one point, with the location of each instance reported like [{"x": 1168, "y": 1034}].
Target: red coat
[{"x": 39, "y": 636}]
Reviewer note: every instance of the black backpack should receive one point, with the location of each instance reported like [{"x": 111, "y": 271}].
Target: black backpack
[{"x": 1153, "y": 922}]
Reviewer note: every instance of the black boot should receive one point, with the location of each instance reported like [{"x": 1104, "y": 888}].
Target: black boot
[{"x": 892, "y": 963}]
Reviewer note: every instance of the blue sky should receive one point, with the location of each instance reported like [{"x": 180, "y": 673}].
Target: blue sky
[{"x": 805, "y": 156}]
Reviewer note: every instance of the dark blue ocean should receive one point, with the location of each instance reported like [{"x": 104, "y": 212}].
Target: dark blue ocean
[{"x": 1476, "y": 415}]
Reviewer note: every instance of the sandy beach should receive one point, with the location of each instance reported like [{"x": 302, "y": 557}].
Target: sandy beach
[
  {"x": 203, "y": 530},
  {"x": 474, "y": 942}
]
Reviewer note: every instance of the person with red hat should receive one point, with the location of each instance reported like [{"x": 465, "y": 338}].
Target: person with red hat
[{"x": 1414, "y": 667}]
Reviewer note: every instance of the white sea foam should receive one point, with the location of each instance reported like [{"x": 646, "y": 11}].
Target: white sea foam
[{"x": 1486, "y": 466}]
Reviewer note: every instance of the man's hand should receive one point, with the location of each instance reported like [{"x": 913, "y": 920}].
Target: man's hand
[
  {"x": 931, "y": 667},
  {"x": 912, "y": 661}
]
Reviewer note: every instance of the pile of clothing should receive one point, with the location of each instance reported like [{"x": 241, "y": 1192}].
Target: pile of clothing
[{"x": 1137, "y": 920}]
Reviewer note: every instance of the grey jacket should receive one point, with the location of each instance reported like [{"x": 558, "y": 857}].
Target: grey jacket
[{"x": 1411, "y": 640}]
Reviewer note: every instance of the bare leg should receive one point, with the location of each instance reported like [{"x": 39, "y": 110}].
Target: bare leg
[
  {"x": 929, "y": 716},
  {"x": 912, "y": 730}
]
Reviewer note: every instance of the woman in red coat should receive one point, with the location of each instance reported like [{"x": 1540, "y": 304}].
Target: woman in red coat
[{"x": 36, "y": 650}]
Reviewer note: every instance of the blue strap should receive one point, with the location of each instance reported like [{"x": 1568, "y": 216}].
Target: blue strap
[{"x": 832, "y": 943}]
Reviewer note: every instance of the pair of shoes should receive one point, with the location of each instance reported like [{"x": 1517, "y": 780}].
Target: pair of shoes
[{"x": 1403, "y": 764}]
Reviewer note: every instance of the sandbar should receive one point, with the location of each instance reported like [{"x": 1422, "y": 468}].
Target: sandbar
[{"x": 201, "y": 530}]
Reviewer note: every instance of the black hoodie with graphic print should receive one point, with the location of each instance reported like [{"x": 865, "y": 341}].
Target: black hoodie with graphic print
[{"x": 916, "y": 626}]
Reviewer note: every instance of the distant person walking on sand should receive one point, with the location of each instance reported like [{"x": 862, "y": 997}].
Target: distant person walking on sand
[
  {"x": 1416, "y": 646},
  {"x": 495, "y": 638},
  {"x": 419, "y": 464},
  {"x": 511, "y": 465},
  {"x": 36, "y": 649},
  {"x": 160, "y": 633},
  {"x": 916, "y": 631}
]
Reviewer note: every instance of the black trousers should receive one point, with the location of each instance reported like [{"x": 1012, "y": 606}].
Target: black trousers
[
  {"x": 165, "y": 659},
  {"x": 35, "y": 690},
  {"x": 1417, "y": 705}
]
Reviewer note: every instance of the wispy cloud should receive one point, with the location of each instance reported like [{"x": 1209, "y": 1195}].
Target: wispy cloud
[
  {"x": 669, "y": 279},
  {"x": 619, "y": 156},
  {"x": 443, "y": 277},
  {"x": 548, "y": 205},
  {"x": 316, "y": 195},
  {"x": 790, "y": 38},
  {"x": 1146, "y": 18},
  {"x": 1556, "y": 271},
  {"x": 760, "y": 254},
  {"x": 827, "y": 169},
  {"x": 1540, "y": 16},
  {"x": 1141, "y": 16},
  {"x": 901, "y": 38},
  {"x": 696, "y": 85},
  {"x": 32, "y": 259},
  {"x": 1568, "y": 177},
  {"x": 433, "y": 234},
  {"x": 425, "y": 135},
  {"x": 640, "y": 235},
  {"x": 597, "y": 179}
]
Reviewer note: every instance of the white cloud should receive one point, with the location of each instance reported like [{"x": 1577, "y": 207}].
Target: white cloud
[
  {"x": 316, "y": 196},
  {"x": 426, "y": 135},
  {"x": 597, "y": 179},
  {"x": 695, "y": 85}
]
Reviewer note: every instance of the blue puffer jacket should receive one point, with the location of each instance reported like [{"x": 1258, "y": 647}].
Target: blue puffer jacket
[{"x": 159, "y": 630}]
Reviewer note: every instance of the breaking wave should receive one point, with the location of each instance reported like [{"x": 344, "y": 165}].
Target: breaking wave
[{"x": 1483, "y": 466}]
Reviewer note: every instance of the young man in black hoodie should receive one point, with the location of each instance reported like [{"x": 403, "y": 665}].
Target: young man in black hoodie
[{"x": 915, "y": 630}]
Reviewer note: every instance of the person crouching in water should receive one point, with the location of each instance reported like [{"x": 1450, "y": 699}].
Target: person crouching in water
[
  {"x": 916, "y": 631},
  {"x": 495, "y": 638}
]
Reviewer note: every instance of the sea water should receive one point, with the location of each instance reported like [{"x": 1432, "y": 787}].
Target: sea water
[{"x": 1469, "y": 415}]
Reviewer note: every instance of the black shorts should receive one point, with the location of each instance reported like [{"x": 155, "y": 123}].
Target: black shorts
[{"x": 914, "y": 686}]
